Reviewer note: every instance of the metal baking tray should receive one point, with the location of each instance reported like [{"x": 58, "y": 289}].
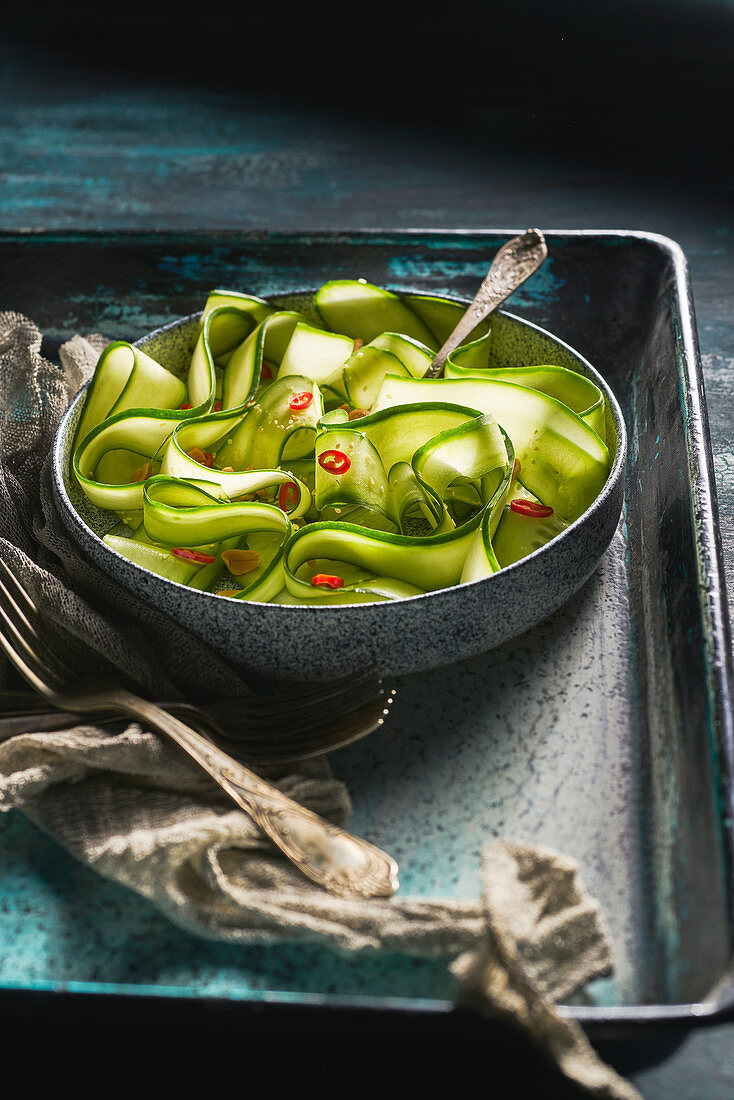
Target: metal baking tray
[{"x": 605, "y": 732}]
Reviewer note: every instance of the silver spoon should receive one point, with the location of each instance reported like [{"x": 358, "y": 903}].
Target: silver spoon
[{"x": 515, "y": 262}]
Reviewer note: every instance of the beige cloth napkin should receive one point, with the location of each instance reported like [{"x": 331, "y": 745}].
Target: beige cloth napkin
[{"x": 138, "y": 811}]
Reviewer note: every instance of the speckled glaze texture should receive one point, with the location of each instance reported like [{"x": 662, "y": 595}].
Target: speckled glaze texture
[{"x": 405, "y": 636}]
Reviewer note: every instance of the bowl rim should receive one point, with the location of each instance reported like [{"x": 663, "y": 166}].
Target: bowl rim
[{"x": 615, "y": 473}]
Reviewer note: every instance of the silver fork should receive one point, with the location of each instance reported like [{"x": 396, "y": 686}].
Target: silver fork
[
  {"x": 260, "y": 731},
  {"x": 281, "y": 726},
  {"x": 343, "y": 864}
]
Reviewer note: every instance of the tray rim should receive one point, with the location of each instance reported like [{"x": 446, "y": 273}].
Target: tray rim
[{"x": 713, "y": 602}]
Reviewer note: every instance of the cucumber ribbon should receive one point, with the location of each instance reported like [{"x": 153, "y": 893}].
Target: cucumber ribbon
[{"x": 305, "y": 458}]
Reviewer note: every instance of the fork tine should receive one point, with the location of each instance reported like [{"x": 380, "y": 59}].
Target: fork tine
[
  {"x": 333, "y": 735},
  {"x": 20, "y": 631},
  {"x": 13, "y": 582},
  {"x": 304, "y": 724},
  {"x": 303, "y": 742},
  {"x": 11, "y": 641},
  {"x": 21, "y": 595},
  {"x": 304, "y": 693},
  {"x": 313, "y": 697},
  {"x": 281, "y": 721},
  {"x": 347, "y": 696},
  {"x": 363, "y": 722},
  {"x": 18, "y": 595}
]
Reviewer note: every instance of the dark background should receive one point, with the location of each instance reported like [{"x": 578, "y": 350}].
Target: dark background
[{"x": 633, "y": 84}]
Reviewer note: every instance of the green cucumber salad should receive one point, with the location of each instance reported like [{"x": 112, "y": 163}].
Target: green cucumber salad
[{"x": 305, "y": 458}]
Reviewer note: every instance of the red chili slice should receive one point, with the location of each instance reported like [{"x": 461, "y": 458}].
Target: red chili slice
[
  {"x": 185, "y": 406},
  {"x": 217, "y": 406},
  {"x": 334, "y": 462},
  {"x": 193, "y": 555},
  {"x": 300, "y": 401},
  {"x": 266, "y": 370},
  {"x": 288, "y": 496},
  {"x": 531, "y": 508},
  {"x": 327, "y": 580}
]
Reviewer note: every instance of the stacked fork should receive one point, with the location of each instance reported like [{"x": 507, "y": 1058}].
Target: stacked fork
[{"x": 291, "y": 726}]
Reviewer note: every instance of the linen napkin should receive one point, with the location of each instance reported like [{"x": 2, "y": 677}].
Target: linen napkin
[{"x": 135, "y": 809}]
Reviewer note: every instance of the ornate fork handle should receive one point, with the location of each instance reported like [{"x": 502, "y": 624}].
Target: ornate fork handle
[
  {"x": 515, "y": 262},
  {"x": 342, "y": 863}
]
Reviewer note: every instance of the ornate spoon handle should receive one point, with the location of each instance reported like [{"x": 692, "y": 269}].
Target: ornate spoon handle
[
  {"x": 342, "y": 863},
  {"x": 515, "y": 262}
]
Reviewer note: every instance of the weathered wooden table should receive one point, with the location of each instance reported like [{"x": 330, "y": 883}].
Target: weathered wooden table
[{"x": 606, "y": 122}]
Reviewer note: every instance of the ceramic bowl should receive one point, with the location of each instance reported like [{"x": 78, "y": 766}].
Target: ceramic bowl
[{"x": 410, "y": 635}]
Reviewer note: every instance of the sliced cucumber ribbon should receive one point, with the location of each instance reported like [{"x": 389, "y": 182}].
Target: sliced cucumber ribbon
[
  {"x": 272, "y": 430},
  {"x": 179, "y": 513},
  {"x": 126, "y": 378},
  {"x": 405, "y": 459},
  {"x": 576, "y": 391},
  {"x": 324, "y": 453},
  {"x": 429, "y": 563},
  {"x": 563, "y": 461}
]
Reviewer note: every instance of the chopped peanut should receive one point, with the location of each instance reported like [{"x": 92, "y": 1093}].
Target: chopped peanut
[
  {"x": 206, "y": 458},
  {"x": 143, "y": 472},
  {"x": 356, "y": 413},
  {"x": 239, "y": 562},
  {"x": 358, "y": 343},
  {"x": 227, "y": 469},
  {"x": 229, "y": 591}
]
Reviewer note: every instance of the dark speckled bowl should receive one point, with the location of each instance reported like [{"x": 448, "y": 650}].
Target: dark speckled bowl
[{"x": 411, "y": 635}]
